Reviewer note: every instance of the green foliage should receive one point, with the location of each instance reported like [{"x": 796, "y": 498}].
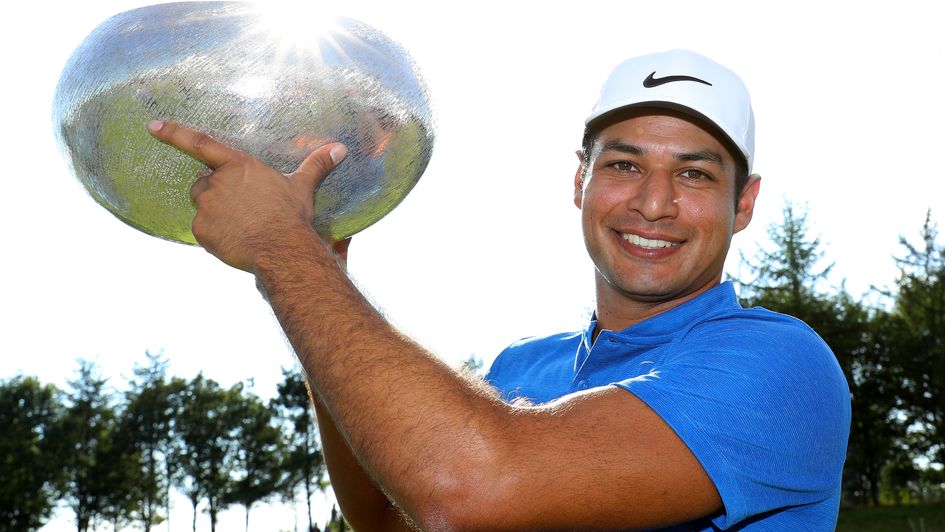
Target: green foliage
[
  {"x": 29, "y": 412},
  {"x": 115, "y": 458},
  {"x": 147, "y": 423},
  {"x": 207, "y": 427},
  {"x": 786, "y": 278},
  {"x": 920, "y": 319},
  {"x": 303, "y": 464},
  {"x": 877, "y": 432},
  {"x": 99, "y": 469},
  {"x": 337, "y": 522},
  {"x": 261, "y": 448}
]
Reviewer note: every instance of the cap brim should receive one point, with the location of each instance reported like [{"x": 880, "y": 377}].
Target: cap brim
[{"x": 595, "y": 120}]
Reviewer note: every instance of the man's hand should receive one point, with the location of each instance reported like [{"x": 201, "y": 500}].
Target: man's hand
[{"x": 245, "y": 207}]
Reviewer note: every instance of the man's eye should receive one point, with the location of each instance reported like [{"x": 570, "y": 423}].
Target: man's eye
[
  {"x": 695, "y": 175},
  {"x": 623, "y": 166}
]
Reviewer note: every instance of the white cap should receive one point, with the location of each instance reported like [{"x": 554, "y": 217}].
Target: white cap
[{"x": 687, "y": 82}]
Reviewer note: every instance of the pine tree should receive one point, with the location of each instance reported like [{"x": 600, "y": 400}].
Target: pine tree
[
  {"x": 206, "y": 429},
  {"x": 147, "y": 424},
  {"x": 258, "y": 474},
  {"x": 29, "y": 465},
  {"x": 920, "y": 309},
  {"x": 99, "y": 469},
  {"x": 786, "y": 279},
  {"x": 303, "y": 464}
]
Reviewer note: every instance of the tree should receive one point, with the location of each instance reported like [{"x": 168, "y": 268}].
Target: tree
[
  {"x": 177, "y": 398},
  {"x": 865, "y": 343},
  {"x": 258, "y": 472},
  {"x": 207, "y": 429},
  {"x": 788, "y": 276},
  {"x": 920, "y": 309},
  {"x": 336, "y": 523},
  {"x": 119, "y": 469},
  {"x": 304, "y": 465},
  {"x": 98, "y": 469},
  {"x": 29, "y": 413},
  {"x": 147, "y": 426}
]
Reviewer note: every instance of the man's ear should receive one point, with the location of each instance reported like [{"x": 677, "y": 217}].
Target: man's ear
[
  {"x": 746, "y": 202},
  {"x": 579, "y": 179}
]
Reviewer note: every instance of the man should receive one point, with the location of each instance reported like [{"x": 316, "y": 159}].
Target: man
[{"x": 675, "y": 407}]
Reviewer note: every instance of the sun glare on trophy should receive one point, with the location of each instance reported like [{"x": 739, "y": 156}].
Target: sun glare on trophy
[{"x": 300, "y": 28}]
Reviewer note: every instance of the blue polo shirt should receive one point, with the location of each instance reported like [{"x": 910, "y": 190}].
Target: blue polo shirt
[{"x": 757, "y": 397}]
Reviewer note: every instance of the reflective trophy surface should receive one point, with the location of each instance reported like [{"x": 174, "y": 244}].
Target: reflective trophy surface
[{"x": 228, "y": 69}]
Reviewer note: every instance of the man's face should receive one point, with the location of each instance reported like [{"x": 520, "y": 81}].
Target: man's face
[{"x": 658, "y": 207}]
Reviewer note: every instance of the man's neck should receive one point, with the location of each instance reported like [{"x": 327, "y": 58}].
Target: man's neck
[{"x": 617, "y": 311}]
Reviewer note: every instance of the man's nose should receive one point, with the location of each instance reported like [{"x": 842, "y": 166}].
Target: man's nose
[{"x": 656, "y": 196}]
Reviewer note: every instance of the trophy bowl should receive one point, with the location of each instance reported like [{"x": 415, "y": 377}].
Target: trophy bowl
[{"x": 228, "y": 69}]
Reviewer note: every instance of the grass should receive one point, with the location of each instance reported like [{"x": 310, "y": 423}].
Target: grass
[{"x": 917, "y": 518}]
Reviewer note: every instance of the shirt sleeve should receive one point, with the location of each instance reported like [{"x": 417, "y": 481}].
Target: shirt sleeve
[{"x": 763, "y": 406}]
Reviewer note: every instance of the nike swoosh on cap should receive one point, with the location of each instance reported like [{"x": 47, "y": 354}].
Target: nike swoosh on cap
[{"x": 651, "y": 81}]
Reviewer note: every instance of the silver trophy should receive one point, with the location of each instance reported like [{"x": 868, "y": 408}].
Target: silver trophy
[{"x": 226, "y": 69}]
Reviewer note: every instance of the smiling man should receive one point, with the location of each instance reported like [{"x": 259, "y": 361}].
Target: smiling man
[{"x": 674, "y": 408}]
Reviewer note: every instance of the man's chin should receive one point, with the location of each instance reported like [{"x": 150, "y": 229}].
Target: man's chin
[{"x": 660, "y": 290}]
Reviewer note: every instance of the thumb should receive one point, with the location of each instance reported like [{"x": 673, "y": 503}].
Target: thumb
[{"x": 317, "y": 165}]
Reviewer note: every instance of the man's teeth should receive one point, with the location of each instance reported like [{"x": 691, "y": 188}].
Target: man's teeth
[{"x": 645, "y": 242}]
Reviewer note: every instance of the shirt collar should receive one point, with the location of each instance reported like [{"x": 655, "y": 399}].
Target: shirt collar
[{"x": 714, "y": 300}]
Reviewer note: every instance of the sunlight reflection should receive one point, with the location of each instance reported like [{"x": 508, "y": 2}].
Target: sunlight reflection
[{"x": 299, "y": 29}]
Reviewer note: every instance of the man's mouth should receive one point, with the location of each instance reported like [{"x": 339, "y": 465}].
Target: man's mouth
[{"x": 647, "y": 243}]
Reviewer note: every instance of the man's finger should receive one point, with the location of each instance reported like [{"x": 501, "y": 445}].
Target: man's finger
[
  {"x": 199, "y": 187},
  {"x": 318, "y": 164},
  {"x": 202, "y": 146}
]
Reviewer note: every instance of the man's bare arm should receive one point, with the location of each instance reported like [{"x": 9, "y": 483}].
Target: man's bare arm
[
  {"x": 451, "y": 455},
  {"x": 448, "y": 453},
  {"x": 364, "y": 506}
]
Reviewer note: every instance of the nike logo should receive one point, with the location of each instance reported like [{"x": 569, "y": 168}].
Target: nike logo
[{"x": 651, "y": 82}]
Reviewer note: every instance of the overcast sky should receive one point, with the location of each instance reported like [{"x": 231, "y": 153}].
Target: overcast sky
[{"x": 487, "y": 249}]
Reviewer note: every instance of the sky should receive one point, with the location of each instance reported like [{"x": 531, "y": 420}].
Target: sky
[{"x": 487, "y": 248}]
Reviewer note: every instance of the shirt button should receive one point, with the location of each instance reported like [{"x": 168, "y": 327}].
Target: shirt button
[
  {"x": 582, "y": 384},
  {"x": 612, "y": 340}
]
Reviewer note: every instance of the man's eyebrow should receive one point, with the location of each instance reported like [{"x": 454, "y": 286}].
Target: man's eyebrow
[
  {"x": 701, "y": 155},
  {"x": 616, "y": 145}
]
